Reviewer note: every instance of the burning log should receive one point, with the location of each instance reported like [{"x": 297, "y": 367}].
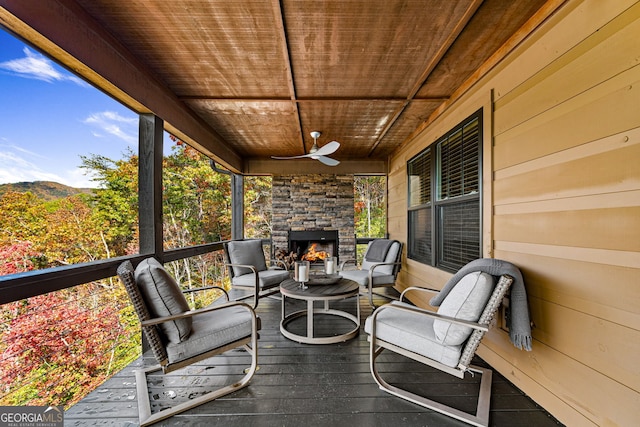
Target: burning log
[{"x": 313, "y": 255}]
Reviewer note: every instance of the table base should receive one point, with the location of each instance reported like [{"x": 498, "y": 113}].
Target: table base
[{"x": 309, "y": 313}]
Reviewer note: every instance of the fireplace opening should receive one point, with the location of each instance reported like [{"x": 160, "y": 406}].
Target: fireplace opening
[
  {"x": 314, "y": 245},
  {"x": 317, "y": 252}
]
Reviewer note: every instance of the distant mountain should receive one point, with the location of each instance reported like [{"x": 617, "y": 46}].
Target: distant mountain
[{"x": 46, "y": 190}]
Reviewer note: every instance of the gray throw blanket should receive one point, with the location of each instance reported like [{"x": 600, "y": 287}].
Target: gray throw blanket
[
  {"x": 518, "y": 319},
  {"x": 377, "y": 252}
]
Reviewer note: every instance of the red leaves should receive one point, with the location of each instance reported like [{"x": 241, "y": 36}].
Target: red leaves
[
  {"x": 57, "y": 342},
  {"x": 17, "y": 258}
]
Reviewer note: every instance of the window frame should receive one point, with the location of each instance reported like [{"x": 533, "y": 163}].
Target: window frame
[{"x": 431, "y": 208}]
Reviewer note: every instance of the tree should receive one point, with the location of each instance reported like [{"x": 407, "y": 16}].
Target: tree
[
  {"x": 47, "y": 359},
  {"x": 22, "y": 217},
  {"x": 56, "y": 347},
  {"x": 370, "y": 208},
  {"x": 257, "y": 206},
  {"x": 115, "y": 202},
  {"x": 18, "y": 257},
  {"x": 196, "y": 202}
]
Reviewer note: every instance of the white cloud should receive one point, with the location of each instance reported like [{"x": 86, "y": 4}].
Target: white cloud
[
  {"x": 36, "y": 66},
  {"x": 109, "y": 122},
  {"x": 80, "y": 178},
  {"x": 16, "y": 168}
]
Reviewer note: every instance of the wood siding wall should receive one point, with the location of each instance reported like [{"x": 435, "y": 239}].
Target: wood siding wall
[{"x": 562, "y": 201}]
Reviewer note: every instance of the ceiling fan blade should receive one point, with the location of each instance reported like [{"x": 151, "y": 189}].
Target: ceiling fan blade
[
  {"x": 292, "y": 157},
  {"x": 319, "y": 154},
  {"x": 328, "y": 148},
  {"x": 328, "y": 161}
]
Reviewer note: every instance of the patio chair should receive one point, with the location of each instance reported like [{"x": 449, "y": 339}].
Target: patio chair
[
  {"x": 446, "y": 340},
  {"x": 180, "y": 337},
  {"x": 380, "y": 266},
  {"x": 248, "y": 269}
]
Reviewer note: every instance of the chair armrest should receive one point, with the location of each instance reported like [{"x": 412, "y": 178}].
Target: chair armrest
[
  {"x": 206, "y": 288},
  {"x": 417, "y": 289},
  {"x": 191, "y": 313},
  {"x": 379, "y": 264},
  {"x": 474, "y": 325},
  {"x": 253, "y": 268},
  {"x": 345, "y": 262},
  {"x": 256, "y": 282},
  {"x": 372, "y": 269}
]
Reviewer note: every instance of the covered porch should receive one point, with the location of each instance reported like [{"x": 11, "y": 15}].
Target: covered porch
[
  {"x": 299, "y": 384},
  {"x": 554, "y": 85}
]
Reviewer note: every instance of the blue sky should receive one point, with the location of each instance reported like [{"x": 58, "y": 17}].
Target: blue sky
[{"x": 49, "y": 117}]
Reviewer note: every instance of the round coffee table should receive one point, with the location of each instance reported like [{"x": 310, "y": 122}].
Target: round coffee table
[{"x": 342, "y": 289}]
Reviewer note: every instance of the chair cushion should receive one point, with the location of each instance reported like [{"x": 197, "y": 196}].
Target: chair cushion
[
  {"x": 392, "y": 256},
  {"x": 465, "y": 301},
  {"x": 212, "y": 330},
  {"x": 362, "y": 277},
  {"x": 247, "y": 252},
  {"x": 163, "y": 298},
  {"x": 414, "y": 332},
  {"x": 267, "y": 278}
]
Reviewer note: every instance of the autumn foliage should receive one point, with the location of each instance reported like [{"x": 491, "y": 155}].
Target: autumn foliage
[
  {"x": 57, "y": 359},
  {"x": 57, "y": 347}
]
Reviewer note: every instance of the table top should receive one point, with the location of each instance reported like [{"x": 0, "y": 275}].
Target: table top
[{"x": 291, "y": 288}]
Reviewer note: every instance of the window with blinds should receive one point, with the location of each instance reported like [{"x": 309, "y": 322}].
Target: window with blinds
[
  {"x": 419, "y": 242},
  {"x": 458, "y": 160},
  {"x": 445, "y": 230},
  {"x": 459, "y": 229},
  {"x": 420, "y": 179}
]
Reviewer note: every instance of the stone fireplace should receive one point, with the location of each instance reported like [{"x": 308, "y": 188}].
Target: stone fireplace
[{"x": 314, "y": 204}]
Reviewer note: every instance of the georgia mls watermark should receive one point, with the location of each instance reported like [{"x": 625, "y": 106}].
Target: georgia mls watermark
[{"x": 31, "y": 416}]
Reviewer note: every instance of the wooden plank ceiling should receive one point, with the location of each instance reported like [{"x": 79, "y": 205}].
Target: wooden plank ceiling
[{"x": 264, "y": 73}]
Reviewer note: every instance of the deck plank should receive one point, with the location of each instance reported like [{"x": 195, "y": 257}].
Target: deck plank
[{"x": 300, "y": 384}]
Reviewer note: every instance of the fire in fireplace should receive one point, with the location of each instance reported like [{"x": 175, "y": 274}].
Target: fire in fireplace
[
  {"x": 315, "y": 252},
  {"x": 314, "y": 245}
]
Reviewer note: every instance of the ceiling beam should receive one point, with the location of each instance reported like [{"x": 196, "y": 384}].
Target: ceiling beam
[
  {"x": 309, "y": 99},
  {"x": 259, "y": 166},
  {"x": 57, "y": 26},
  {"x": 453, "y": 35},
  {"x": 281, "y": 26}
]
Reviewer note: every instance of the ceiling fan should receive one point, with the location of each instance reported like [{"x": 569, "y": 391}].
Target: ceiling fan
[{"x": 318, "y": 153}]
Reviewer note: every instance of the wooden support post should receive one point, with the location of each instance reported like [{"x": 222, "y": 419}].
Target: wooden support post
[
  {"x": 150, "y": 185},
  {"x": 237, "y": 206}
]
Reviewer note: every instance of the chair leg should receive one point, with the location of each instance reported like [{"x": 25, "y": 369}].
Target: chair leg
[
  {"x": 481, "y": 417},
  {"x": 371, "y": 303},
  {"x": 256, "y": 298},
  {"x": 144, "y": 405}
]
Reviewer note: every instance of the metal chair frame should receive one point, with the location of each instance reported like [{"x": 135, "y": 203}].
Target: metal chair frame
[
  {"x": 152, "y": 333},
  {"x": 257, "y": 291},
  {"x": 481, "y": 416},
  {"x": 396, "y": 269}
]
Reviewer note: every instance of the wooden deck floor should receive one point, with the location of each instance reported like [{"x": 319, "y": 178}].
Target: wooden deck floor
[{"x": 300, "y": 384}]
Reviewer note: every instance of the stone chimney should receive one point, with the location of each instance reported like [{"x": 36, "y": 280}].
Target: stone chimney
[{"x": 314, "y": 202}]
